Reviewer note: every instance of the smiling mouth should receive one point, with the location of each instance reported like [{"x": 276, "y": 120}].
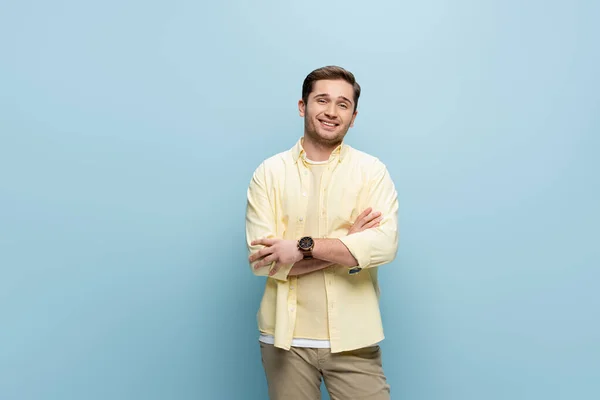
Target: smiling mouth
[{"x": 328, "y": 124}]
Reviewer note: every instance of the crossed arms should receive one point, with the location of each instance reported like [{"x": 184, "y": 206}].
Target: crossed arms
[
  {"x": 326, "y": 252},
  {"x": 371, "y": 241}
]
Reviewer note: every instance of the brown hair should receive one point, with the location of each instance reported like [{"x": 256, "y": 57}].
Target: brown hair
[{"x": 331, "y": 72}]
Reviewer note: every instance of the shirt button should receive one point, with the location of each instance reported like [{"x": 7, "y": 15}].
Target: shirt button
[
  {"x": 301, "y": 219},
  {"x": 304, "y": 194}
]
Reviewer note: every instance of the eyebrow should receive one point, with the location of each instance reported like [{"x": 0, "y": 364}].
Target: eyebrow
[{"x": 340, "y": 97}]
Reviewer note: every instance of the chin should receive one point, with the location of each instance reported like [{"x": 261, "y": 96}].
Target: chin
[
  {"x": 330, "y": 139},
  {"x": 327, "y": 135},
  {"x": 324, "y": 137}
]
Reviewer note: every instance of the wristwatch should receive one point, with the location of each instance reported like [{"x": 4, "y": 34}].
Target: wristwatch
[
  {"x": 306, "y": 246},
  {"x": 354, "y": 270}
]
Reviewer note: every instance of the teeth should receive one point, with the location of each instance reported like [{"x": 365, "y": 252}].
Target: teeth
[{"x": 328, "y": 123}]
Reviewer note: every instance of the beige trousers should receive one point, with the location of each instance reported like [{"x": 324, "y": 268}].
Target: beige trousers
[{"x": 296, "y": 374}]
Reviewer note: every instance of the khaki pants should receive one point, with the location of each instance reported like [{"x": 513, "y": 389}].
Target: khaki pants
[{"x": 296, "y": 374}]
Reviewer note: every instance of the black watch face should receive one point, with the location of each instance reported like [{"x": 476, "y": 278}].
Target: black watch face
[{"x": 306, "y": 243}]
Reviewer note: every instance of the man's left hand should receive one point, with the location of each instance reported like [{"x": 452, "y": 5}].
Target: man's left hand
[{"x": 276, "y": 250}]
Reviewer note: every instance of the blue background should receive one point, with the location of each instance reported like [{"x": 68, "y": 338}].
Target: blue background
[{"x": 128, "y": 135}]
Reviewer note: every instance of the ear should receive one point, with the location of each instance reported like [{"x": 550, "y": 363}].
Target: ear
[
  {"x": 353, "y": 118},
  {"x": 301, "y": 107}
]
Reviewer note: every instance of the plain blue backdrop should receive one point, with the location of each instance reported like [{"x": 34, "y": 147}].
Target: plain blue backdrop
[{"x": 129, "y": 131}]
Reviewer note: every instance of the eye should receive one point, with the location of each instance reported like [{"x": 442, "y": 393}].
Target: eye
[
  {"x": 344, "y": 106},
  {"x": 321, "y": 101}
]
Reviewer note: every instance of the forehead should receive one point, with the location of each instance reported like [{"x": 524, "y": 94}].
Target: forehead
[{"x": 333, "y": 88}]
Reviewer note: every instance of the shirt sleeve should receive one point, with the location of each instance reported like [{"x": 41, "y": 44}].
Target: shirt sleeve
[
  {"x": 261, "y": 221},
  {"x": 377, "y": 246}
]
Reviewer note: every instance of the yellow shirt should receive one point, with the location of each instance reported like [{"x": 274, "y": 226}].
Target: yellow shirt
[
  {"x": 311, "y": 297},
  {"x": 277, "y": 207}
]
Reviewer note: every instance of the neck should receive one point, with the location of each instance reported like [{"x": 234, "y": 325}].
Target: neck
[{"x": 317, "y": 151}]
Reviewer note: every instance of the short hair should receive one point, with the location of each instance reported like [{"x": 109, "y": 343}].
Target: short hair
[{"x": 330, "y": 72}]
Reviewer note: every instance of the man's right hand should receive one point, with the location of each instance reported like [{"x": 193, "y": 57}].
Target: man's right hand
[{"x": 367, "y": 219}]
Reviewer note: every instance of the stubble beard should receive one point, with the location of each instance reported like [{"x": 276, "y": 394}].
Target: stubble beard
[{"x": 311, "y": 132}]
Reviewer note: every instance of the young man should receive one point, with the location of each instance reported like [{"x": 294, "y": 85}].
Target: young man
[{"x": 320, "y": 219}]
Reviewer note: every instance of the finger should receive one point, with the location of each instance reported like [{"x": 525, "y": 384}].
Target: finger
[
  {"x": 367, "y": 219},
  {"x": 275, "y": 269},
  {"x": 372, "y": 216},
  {"x": 263, "y": 241},
  {"x": 266, "y": 261},
  {"x": 373, "y": 223},
  {"x": 364, "y": 214},
  {"x": 361, "y": 219},
  {"x": 260, "y": 254}
]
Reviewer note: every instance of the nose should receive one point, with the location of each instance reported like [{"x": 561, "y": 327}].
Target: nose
[{"x": 330, "y": 112}]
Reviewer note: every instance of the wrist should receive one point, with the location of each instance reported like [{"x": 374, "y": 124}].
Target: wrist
[{"x": 299, "y": 256}]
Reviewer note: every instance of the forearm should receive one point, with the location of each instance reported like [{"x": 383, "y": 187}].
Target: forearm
[
  {"x": 373, "y": 247},
  {"x": 334, "y": 252},
  {"x": 377, "y": 246},
  {"x": 327, "y": 252},
  {"x": 307, "y": 266}
]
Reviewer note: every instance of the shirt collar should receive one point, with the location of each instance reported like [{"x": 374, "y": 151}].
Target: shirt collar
[{"x": 298, "y": 151}]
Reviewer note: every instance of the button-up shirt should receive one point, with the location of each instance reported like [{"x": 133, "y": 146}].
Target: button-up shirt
[{"x": 277, "y": 208}]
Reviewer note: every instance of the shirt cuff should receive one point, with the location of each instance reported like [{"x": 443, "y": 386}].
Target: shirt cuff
[
  {"x": 282, "y": 273},
  {"x": 356, "y": 245}
]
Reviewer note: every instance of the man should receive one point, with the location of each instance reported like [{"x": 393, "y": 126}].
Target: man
[{"x": 320, "y": 219}]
